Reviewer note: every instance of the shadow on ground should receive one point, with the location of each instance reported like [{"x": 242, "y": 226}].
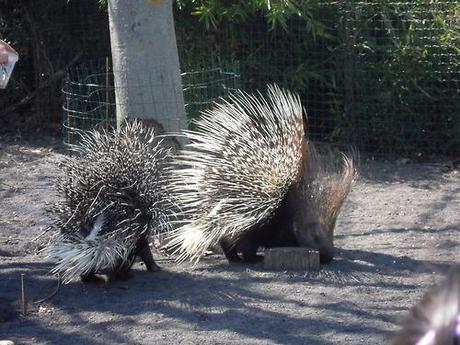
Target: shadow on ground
[{"x": 220, "y": 300}]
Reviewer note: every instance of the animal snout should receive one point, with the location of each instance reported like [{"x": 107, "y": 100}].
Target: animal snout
[{"x": 326, "y": 255}]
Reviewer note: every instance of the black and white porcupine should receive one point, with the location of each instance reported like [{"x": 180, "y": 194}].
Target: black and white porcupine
[
  {"x": 249, "y": 178},
  {"x": 435, "y": 320},
  {"x": 114, "y": 199}
]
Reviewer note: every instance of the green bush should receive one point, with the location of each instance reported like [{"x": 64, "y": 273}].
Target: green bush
[{"x": 381, "y": 75}]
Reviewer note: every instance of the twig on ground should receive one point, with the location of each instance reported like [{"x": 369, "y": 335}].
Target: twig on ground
[
  {"x": 52, "y": 294},
  {"x": 40, "y": 235},
  {"x": 23, "y": 294}
]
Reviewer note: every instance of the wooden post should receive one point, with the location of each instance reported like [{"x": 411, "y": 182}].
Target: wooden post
[{"x": 291, "y": 258}]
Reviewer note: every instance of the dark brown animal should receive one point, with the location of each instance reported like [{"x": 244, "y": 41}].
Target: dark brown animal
[
  {"x": 249, "y": 178},
  {"x": 306, "y": 216}
]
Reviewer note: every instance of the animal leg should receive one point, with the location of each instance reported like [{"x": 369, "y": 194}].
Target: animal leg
[
  {"x": 89, "y": 278},
  {"x": 248, "y": 248},
  {"x": 144, "y": 252},
  {"x": 230, "y": 251}
]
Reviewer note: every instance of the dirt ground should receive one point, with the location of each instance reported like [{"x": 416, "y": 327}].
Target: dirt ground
[{"x": 397, "y": 235}]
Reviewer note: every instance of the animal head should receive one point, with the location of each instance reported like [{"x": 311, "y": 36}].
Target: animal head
[
  {"x": 317, "y": 198},
  {"x": 435, "y": 320}
]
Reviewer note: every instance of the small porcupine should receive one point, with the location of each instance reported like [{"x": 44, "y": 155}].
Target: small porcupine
[
  {"x": 435, "y": 320},
  {"x": 249, "y": 178},
  {"x": 114, "y": 199}
]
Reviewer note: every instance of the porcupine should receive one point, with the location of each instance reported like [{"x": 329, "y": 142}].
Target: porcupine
[
  {"x": 435, "y": 320},
  {"x": 114, "y": 199},
  {"x": 249, "y": 178}
]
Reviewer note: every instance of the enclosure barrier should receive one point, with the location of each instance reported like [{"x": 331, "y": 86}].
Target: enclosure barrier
[
  {"x": 89, "y": 96},
  {"x": 382, "y": 76}
]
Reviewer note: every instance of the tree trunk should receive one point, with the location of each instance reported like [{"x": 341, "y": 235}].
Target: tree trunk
[{"x": 145, "y": 62}]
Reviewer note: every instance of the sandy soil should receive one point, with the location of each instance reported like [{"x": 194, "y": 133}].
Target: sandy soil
[{"x": 397, "y": 235}]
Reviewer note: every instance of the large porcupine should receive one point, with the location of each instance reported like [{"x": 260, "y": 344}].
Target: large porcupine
[
  {"x": 249, "y": 178},
  {"x": 114, "y": 199},
  {"x": 435, "y": 320}
]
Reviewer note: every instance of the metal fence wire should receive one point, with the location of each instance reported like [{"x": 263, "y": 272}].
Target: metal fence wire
[
  {"x": 89, "y": 96},
  {"x": 88, "y": 100},
  {"x": 400, "y": 71},
  {"x": 382, "y": 76},
  {"x": 203, "y": 87}
]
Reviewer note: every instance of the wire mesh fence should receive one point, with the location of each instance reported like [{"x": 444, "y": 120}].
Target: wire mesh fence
[
  {"x": 88, "y": 100},
  {"x": 401, "y": 80},
  {"x": 89, "y": 96},
  {"x": 383, "y": 76},
  {"x": 202, "y": 87}
]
